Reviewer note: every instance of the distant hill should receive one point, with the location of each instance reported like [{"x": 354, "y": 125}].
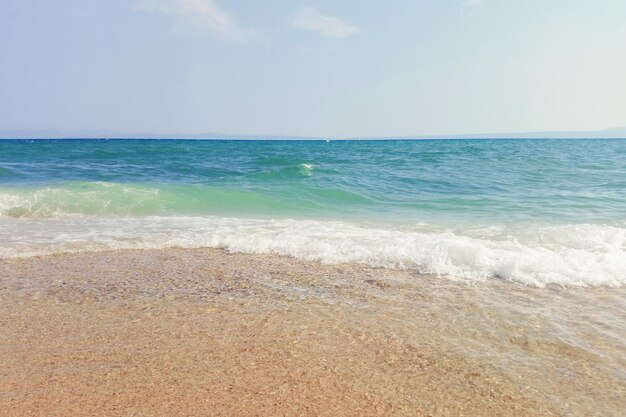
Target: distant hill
[{"x": 612, "y": 133}]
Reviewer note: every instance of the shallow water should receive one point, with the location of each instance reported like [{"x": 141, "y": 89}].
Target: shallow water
[{"x": 325, "y": 333}]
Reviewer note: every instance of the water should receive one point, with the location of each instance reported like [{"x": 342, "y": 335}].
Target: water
[
  {"x": 538, "y": 212},
  {"x": 525, "y": 239}
]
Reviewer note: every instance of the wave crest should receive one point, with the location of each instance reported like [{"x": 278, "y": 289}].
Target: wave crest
[{"x": 575, "y": 255}]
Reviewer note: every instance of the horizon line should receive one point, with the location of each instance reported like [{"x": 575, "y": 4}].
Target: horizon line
[{"x": 77, "y": 134}]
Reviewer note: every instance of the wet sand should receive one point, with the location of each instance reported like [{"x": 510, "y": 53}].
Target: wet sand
[{"x": 203, "y": 332}]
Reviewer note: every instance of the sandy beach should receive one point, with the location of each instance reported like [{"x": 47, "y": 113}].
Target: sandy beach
[{"x": 204, "y": 332}]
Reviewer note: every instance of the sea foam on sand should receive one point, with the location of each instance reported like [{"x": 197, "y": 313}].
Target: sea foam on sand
[{"x": 568, "y": 255}]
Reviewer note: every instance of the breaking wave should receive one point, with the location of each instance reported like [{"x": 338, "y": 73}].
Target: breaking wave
[{"x": 571, "y": 255}]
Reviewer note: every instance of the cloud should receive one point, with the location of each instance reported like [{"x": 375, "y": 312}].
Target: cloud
[
  {"x": 473, "y": 3},
  {"x": 310, "y": 19},
  {"x": 198, "y": 17},
  {"x": 468, "y": 7}
]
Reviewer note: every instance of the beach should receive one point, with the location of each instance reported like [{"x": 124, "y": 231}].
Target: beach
[
  {"x": 324, "y": 208},
  {"x": 207, "y": 332}
]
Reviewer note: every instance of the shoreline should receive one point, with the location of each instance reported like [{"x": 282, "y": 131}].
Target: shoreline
[{"x": 204, "y": 331}]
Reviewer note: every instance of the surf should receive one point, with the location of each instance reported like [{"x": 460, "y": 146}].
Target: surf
[{"x": 570, "y": 255}]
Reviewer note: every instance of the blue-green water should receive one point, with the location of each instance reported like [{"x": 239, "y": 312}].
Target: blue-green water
[{"x": 470, "y": 209}]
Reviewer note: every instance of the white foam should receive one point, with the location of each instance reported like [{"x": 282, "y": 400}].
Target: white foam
[
  {"x": 306, "y": 169},
  {"x": 574, "y": 255}
]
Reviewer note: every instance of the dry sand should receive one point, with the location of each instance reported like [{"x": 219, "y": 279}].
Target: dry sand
[{"x": 203, "y": 332}]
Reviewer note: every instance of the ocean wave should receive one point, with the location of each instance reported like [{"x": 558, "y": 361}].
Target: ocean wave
[
  {"x": 79, "y": 198},
  {"x": 570, "y": 255},
  {"x": 7, "y": 173},
  {"x": 84, "y": 198},
  {"x": 306, "y": 169},
  {"x": 284, "y": 173}
]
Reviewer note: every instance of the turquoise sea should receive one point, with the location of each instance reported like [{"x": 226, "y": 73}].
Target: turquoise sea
[{"x": 537, "y": 212}]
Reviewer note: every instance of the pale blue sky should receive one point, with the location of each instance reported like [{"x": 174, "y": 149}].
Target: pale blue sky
[{"x": 341, "y": 68}]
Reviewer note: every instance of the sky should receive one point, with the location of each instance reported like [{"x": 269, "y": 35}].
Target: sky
[{"x": 324, "y": 68}]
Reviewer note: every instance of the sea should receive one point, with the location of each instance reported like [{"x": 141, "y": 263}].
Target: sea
[
  {"x": 510, "y": 252},
  {"x": 536, "y": 212}
]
